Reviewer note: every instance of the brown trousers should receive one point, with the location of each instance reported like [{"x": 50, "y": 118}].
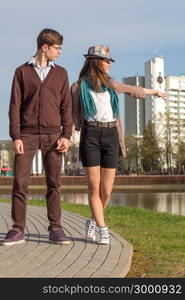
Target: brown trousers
[{"x": 52, "y": 161}]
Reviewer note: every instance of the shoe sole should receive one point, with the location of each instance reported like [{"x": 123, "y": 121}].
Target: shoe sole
[
  {"x": 90, "y": 239},
  {"x": 104, "y": 242},
  {"x": 12, "y": 243},
  {"x": 60, "y": 242}
]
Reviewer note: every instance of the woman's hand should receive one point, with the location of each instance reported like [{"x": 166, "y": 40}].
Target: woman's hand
[
  {"x": 155, "y": 93},
  {"x": 160, "y": 94}
]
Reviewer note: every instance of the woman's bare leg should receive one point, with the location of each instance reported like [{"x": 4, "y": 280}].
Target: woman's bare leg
[
  {"x": 106, "y": 184},
  {"x": 93, "y": 178}
]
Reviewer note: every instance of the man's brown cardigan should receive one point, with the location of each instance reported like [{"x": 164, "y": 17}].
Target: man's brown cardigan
[{"x": 40, "y": 107}]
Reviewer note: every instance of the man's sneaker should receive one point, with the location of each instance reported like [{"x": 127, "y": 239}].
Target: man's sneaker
[
  {"x": 14, "y": 236},
  {"x": 57, "y": 236},
  {"x": 90, "y": 230},
  {"x": 104, "y": 236}
]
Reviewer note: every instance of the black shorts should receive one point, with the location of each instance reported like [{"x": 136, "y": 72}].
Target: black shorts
[{"x": 99, "y": 147}]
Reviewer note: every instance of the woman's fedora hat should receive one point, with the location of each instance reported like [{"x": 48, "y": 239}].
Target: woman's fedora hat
[{"x": 100, "y": 51}]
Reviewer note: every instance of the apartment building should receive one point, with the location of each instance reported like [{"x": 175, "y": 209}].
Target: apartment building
[{"x": 175, "y": 107}]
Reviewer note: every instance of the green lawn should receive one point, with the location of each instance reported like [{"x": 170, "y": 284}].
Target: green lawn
[{"x": 158, "y": 238}]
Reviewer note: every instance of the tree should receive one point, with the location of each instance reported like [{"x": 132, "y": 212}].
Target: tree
[
  {"x": 10, "y": 154},
  {"x": 180, "y": 157},
  {"x": 131, "y": 163},
  {"x": 171, "y": 136},
  {"x": 150, "y": 150}
]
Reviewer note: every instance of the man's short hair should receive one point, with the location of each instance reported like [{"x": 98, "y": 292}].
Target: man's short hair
[{"x": 50, "y": 37}]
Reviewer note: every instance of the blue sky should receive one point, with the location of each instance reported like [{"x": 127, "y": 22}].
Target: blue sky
[{"x": 135, "y": 31}]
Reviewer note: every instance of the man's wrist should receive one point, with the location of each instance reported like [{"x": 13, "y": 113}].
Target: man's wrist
[{"x": 64, "y": 137}]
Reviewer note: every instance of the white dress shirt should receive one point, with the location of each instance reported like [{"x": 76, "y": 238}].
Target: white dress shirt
[{"x": 42, "y": 72}]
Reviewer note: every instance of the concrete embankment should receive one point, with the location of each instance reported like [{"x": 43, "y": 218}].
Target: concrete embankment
[{"x": 129, "y": 183}]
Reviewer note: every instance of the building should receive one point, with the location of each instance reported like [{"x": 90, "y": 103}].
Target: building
[
  {"x": 134, "y": 109},
  {"x": 5, "y": 155},
  {"x": 175, "y": 107},
  {"x": 37, "y": 164},
  {"x": 168, "y": 116},
  {"x": 155, "y": 107},
  {"x": 6, "y": 158},
  {"x": 139, "y": 112}
]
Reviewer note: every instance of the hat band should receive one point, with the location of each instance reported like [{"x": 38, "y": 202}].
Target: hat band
[{"x": 99, "y": 56}]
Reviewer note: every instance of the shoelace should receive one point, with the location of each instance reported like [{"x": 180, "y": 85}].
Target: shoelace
[
  {"x": 104, "y": 234},
  {"x": 90, "y": 228}
]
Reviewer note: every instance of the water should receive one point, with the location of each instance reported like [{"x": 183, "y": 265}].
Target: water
[{"x": 173, "y": 202}]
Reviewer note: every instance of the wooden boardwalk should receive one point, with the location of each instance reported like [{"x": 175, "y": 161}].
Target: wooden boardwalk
[{"x": 37, "y": 258}]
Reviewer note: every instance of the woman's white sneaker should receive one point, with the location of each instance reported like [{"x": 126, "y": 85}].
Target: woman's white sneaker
[
  {"x": 104, "y": 236},
  {"x": 90, "y": 230}
]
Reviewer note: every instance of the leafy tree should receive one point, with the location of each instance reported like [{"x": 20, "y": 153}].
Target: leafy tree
[
  {"x": 171, "y": 137},
  {"x": 131, "y": 162},
  {"x": 150, "y": 150},
  {"x": 10, "y": 154},
  {"x": 179, "y": 157}
]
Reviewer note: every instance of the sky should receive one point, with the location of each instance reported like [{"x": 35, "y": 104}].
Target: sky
[{"x": 134, "y": 30}]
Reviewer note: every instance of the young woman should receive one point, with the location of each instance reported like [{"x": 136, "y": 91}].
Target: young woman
[{"x": 96, "y": 113}]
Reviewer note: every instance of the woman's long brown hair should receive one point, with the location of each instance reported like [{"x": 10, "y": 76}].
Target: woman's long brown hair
[{"x": 92, "y": 71}]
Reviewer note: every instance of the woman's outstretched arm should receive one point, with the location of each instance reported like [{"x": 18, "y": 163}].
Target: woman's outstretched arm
[
  {"x": 155, "y": 93},
  {"x": 136, "y": 91}
]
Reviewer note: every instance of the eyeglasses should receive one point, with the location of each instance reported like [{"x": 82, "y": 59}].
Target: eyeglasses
[{"x": 57, "y": 48}]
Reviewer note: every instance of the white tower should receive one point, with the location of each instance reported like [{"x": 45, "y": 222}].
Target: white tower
[{"x": 154, "y": 79}]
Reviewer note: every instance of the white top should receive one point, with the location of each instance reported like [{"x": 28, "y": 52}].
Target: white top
[{"x": 103, "y": 107}]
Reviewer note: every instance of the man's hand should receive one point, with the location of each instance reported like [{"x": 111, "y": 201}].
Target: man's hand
[
  {"x": 18, "y": 146},
  {"x": 62, "y": 145}
]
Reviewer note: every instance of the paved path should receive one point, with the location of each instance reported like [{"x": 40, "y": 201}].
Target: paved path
[{"x": 37, "y": 258}]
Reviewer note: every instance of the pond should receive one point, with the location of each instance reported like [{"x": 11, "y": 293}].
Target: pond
[{"x": 171, "y": 202}]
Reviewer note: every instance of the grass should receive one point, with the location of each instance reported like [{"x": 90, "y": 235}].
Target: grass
[{"x": 157, "y": 238}]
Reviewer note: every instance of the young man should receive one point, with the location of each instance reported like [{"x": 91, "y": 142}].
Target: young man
[{"x": 40, "y": 104}]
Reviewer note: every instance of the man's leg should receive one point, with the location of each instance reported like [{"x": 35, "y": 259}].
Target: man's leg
[
  {"x": 52, "y": 161},
  {"x": 22, "y": 170}
]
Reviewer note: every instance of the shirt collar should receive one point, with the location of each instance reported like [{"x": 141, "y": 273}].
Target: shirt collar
[{"x": 33, "y": 62}]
